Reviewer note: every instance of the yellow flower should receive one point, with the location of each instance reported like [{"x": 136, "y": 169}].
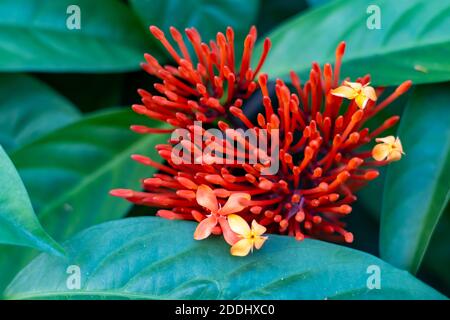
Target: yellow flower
[
  {"x": 249, "y": 238},
  {"x": 389, "y": 148},
  {"x": 356, "y": 91}
]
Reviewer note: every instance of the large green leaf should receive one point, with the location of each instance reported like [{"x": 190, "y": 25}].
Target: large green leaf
[
  {"x": 413, "y": 42},
  {"x": 34, "y": 36},
  {"x": 209, "y": 17},
  {"x": 18, "y": 223},
  {"x": 69, "y": 172},
  {"x": 30, "y": 109},
  {"x": 417, "y": 187},
  {"x": 150, "y": 258}
]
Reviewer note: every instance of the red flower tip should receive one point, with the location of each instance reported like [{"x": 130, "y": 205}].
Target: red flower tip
[
  {"x": 157, "y": 33},
  {"x": 372, "y": 174},
  {"x": 402, "y": 88},
  {"x": 121, "y": 193},
  {"x": 340, "y": 50},
  {"x": 348, "y": 237}
]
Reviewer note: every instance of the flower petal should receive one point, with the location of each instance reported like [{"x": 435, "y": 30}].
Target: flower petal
[
  {"x": 235, "y": 203},
  {"x": 381, "y": 151},
  {"x": 239, "y": 225},
  {"x": 361, "y": 101},
  {"x": 259, "y": 241},
  {"x": 206, "y": 198},
  {"x": 257, "y": 228},
  {"x": 354, "y": 85},
  {"x": 389, "y": 140},
  {"x": 241, "y": 248},
  {"x": 345, "y": 92},
  {"x": 395, "y": 155},
  {"x": 205, "y": 228},
  {"x": 370, "y": 93},
  {"x": 228, "y": 234}
]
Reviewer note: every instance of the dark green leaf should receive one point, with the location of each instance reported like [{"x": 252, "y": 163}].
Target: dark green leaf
[
  {"x": 18, "y": 223},
  {"x": 413, "y": 42},
  {"x": 317, "y": 2},
  {"x": 30, "y": 109},
  {"x": 417, "y": 187},
  {"x": 34, "y": 36},
  {"x": 89, "y": 91},
  {"x": 437, "y": 257},
  {"x": 153, "y": 258},
  {"x": 272, "y": 13},
  {"x": 12, "y": 260},
  {"x": 209, "y": 17},
  {"x": 69, "y": 172},
  {"x": 365, "y": 229}
]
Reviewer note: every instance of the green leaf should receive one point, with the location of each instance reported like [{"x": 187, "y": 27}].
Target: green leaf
[
  {"x": 34, "y": 36},
  {"x": 153, "y": 258},
  {"x": 437, "y": 258},
  {"x": 69, "y": 172},
  {"x": 272, "y": 13},
  {"x": 12, "y": 260},
  {"x": 18, "y": 223},
  {"x": 209, "y": 17},
  {"x": 412, "y": 43},
  {"x": 30, "y": 109},
  {"x": 417, "y": 187},
  {"x": 314, "y": 3}
]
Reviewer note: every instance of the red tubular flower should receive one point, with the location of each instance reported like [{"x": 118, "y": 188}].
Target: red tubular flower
[
  {"x": 202, "y": 87},
  {"x": 321, "y": 131}
]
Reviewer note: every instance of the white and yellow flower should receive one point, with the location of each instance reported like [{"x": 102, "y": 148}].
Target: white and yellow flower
[
  {"x": 250, "y": 237},
  {"x": 389, "y": 148},
  {"x": 356, "y": 91}
]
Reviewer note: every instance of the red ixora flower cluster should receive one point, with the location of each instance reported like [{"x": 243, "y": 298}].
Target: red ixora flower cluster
[{"x": 320, "y": 126}]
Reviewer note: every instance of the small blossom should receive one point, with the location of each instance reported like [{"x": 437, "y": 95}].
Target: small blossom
[
  {"x": 356, "y": 91},
  {"x": 206, "y": 198},
  {"x": 389, "y": 148},
  {"x": 249, "y": 237}
]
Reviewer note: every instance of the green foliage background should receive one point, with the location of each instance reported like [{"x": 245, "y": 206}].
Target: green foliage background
[{"x": 65, "y": 141}]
